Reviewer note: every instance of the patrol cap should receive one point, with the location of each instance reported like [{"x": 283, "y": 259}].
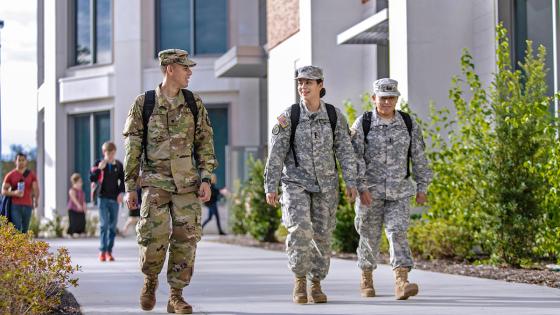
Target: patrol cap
[
  {"x": 309, "y": 72},
  {"x": 171, "y": 56},
  {"x": 386, "y": 87}
]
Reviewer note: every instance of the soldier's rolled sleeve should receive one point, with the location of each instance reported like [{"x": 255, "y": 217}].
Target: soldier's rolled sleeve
[
  {"x": 344, "y": 151},
  {"x": 133, "y": 132},
  {"x": 358, "y": 143},
  {"x": 280, "y": 144},
  {"x": 204, "y": 142},
  {"x": 420, "y": 167}
]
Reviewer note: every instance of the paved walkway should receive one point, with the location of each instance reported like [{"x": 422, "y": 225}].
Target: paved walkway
[{"x": 238, "y": 280}]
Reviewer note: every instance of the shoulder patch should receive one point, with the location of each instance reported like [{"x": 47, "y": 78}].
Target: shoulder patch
[
  {"x": 276, "y": 129},
  {"x": 283, "y": 121}
]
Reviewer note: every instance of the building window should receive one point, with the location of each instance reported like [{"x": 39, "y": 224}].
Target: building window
[
  {"x": 533, "y": 21},
  {"x": 90, "y": 131},
  {"x": 93, "y": 32},
  {"x": 197, "y": 26}
]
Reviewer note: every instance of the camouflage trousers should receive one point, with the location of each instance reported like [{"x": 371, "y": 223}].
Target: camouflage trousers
[
  {"x": 310, "y": 219},
  {"x": 171, "y": 221},
  {"x": 395, "y": 214}
]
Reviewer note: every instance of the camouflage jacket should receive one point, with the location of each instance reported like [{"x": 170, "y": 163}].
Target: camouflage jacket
[
  {"x": 382, "y": 162},
  {"x": 315, "y": 151},
  {"x": 172, "y": 141}
]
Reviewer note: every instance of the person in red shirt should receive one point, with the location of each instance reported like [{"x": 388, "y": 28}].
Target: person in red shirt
[{"x": 21, "y": 185}]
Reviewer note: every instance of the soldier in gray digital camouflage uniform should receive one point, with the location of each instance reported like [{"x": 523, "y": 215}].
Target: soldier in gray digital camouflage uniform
[
  {"x": 384, "y": 185},
  {"x": 309, "y": 180}
]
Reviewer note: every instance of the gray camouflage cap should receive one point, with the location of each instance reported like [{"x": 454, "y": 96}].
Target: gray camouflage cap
[
  {"x": 309, "y": 72},
  {"x": 171, "y": 56},
  {"x": 386, "y": 87}
]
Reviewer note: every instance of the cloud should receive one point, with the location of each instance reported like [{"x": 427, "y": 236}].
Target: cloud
[{"x": 19, "y": 35}]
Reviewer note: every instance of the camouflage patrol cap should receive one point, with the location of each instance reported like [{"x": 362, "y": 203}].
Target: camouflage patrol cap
[
  {"x": 171, "y": 56},
  {"x": 386, "y": 87},
  {"x": 309, "y": 72}
]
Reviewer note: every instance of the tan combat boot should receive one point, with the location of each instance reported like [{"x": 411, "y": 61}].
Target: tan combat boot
[
  {"x": 148, "y": 294},
  {"x": 177, "y": 304},
  {"x": 403, "y": 288},
  {"x": 317, "y": 296},
  {"x": 366, "y": 285},
  {"x": 300, "y": 290}
]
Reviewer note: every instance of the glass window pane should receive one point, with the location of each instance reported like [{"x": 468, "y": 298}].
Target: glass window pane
[
  {"x": 83, "y": 32},
  {"x": 210, "y": 27},
  {"x": 82, "y": 162},
  {"x": 102, "y": 132},
  {"x": 534, "y": 22},
  {"x": 175, "y": 24},
  {"x": 104, "y": 31}
]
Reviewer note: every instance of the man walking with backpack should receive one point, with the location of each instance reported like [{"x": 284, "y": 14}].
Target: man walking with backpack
[
  {"x": 385, "y": 142},
  {"x": 168, "y": 129}
]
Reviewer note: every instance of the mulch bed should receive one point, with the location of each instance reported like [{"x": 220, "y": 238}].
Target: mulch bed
[
  {"x": 68, "y": 305},
  {"x": 542, "y": 277}
]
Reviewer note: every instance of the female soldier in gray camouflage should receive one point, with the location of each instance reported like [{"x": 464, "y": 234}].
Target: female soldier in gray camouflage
[
  {"x": 385, "y": 142},
  {"x": 305, "y": 142}
]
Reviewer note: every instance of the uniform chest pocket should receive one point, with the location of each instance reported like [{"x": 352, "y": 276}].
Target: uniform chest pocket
[
  {"x": 181, "y": 124},
  {"x": 157, "y": 127}
]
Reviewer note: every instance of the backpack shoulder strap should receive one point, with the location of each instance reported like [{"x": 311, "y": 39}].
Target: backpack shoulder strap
[
  {"x": 26, "y": 173},
  {"x": 191, "y": 102},
  {"x": 294, "y": 121},
  {"x": 333, "y": 117},
  {"x": 408, "y": 123},
  {"x": 366, "y": 124},
  {"x": 147, "y": 110}
]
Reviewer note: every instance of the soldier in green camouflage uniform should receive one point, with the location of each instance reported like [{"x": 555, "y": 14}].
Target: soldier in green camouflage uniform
[
  {"x": 179, "y": 165},
  {"x": 384, "y": 187},
  {"x": 310, "y": 189}
]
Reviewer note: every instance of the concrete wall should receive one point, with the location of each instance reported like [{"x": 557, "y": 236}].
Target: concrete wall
[{"x": 426, "y": 57}]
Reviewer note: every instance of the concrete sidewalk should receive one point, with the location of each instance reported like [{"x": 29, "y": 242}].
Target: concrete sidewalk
[{"x": 238, "y": 280}]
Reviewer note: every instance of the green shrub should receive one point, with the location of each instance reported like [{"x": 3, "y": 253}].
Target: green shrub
[
  {"x": 35, "y": 224},
  {"x": 262, "y": 219},
  {"x": 92, "y": 222},
  {"x": 440, "y": 238},
  {"x": 492, "y": 159},
  {"x": 31, "y": 278},
  {"x": 239, "y": 210},
  {"x": 56, "y": 226},
  {"x": 345, "y": 238}
]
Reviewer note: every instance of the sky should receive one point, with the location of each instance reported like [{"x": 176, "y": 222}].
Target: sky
[{"x": 18, "y": 73}]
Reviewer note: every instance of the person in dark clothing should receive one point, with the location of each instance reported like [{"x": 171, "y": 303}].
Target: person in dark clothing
[
  {"x": 107, "y": 176},
  {"x": 212, "y": 205}
]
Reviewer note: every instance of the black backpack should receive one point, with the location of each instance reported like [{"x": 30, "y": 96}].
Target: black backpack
[
  {"x": 366, "y": 125},
  {"x": 294, "y": 121},
  {"x": 150, "y": 102}
]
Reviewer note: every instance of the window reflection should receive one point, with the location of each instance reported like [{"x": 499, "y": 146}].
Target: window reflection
[
  {"x": 90, "y": 50},
  {"x": 83, "y": 32},
  {"x": 198, "y": 26}
]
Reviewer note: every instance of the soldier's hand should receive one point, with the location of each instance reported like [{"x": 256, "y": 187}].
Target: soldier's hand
[
  {"x": 365, "y": 198},
  {"x": 132, "y": 200},
  {"x": 204, "y": 192},
  {"x": 272, "y": 198},
  {"x": 421, "y": 198},
  {"x": 351, "y": 193}
]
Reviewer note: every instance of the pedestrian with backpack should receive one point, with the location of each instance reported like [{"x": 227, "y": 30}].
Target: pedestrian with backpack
[
  {"x": 20, "y": 185},
  {"x": 108, "y": 176},
  {"x": 168, "y": 140},
  {"x": 306, "y": 142},
  {"x": 386, "y": 141}
]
